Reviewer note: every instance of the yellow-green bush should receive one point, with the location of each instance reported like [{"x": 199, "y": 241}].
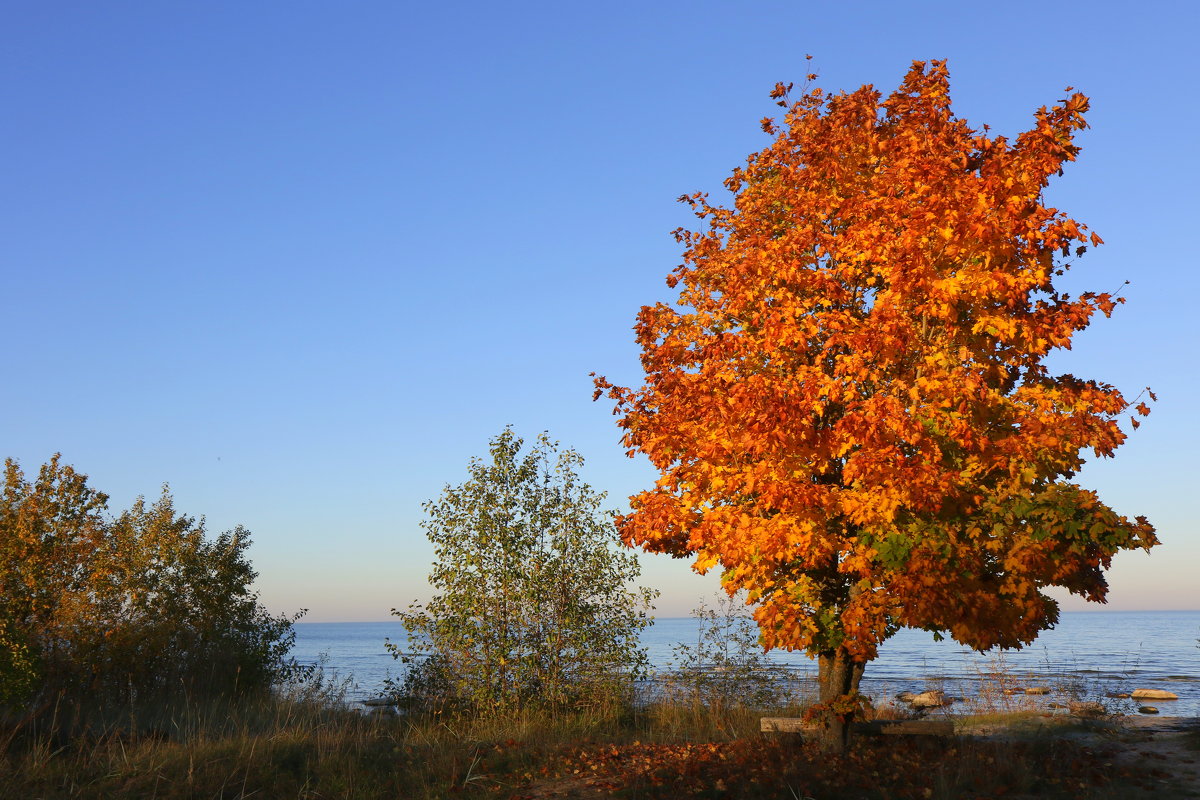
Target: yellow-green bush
[{"x": 125, "y": 608}]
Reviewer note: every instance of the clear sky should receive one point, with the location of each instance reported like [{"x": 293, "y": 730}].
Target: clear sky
[{"x": 302, "y": 260}]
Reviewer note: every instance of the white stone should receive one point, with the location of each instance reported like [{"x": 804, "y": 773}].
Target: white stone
[{"x": 934, "y": 699}]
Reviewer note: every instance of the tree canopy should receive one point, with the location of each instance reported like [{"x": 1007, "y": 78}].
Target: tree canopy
[{"x": 849, "y": 406}]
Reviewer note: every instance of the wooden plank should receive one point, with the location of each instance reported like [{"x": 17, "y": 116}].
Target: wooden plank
[
  {"x": 896, "y": 727},
  {"x": 917, "y": 727}
]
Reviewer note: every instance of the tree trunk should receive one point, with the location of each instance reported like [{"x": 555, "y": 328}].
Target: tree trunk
[{"x": 838, "y": 676}]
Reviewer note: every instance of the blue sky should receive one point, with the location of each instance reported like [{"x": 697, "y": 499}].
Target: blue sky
[{"x": 302, "y": 260}]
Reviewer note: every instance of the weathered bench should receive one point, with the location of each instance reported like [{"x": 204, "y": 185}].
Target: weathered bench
[{"x": 879, "y": 727}]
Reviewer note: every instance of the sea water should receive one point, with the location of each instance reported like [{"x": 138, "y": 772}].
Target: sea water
[{"x": 1089, "y": 655}]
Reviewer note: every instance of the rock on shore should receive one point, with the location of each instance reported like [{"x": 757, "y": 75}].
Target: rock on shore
[{"x": 931, "y": 699}]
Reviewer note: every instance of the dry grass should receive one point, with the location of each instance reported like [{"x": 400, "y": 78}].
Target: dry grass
[
  {"x": 305, "y": 748},
  {"x": 302, "y": 747}
]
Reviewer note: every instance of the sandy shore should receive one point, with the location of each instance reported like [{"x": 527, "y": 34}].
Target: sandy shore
[{"x": 1172, "y": 743}]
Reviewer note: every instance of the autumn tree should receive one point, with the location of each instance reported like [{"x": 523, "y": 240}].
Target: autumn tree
[
  {"x": 850, "y": 407},
  {"x": 133, "y": 607},
  {"x": 533, "y": 603},
  {"x": 184, "y": 610},
  {"x": 52, "y": 537}
]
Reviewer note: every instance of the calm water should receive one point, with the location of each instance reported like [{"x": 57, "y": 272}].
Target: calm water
[{"x": 1094, "y": 653}]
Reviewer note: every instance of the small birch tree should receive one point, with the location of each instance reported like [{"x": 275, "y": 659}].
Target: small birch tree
[{"x": 533, "y": 605}]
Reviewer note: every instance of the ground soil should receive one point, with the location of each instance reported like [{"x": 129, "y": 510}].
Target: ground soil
[
  {"x": 1168, "y": 744},
  {"x": 1172, "y": 741}
]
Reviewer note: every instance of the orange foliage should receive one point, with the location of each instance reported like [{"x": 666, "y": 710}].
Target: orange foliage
[{"x": 849, "y": 407}]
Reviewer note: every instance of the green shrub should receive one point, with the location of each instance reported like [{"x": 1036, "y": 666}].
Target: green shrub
[
  {"x": 136, "y": 608},
  {"x": 533, "y": 604},
  {"x": 727, "y": 667}
]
